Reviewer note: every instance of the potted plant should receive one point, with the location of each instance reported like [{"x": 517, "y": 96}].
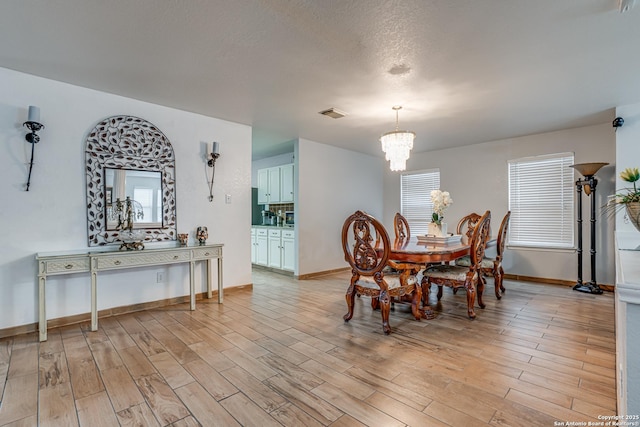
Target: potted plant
[
  {"x": 441, "y": 201},
  {"x": 629, "y": 198}
]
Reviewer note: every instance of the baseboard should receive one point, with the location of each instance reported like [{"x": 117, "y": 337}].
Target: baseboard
[
  {"x": 322, "y": 273},
  {"x": 272, "y": 270},
  {"x": 86, "y": 317},
  {"x": 609, "y": 288}
]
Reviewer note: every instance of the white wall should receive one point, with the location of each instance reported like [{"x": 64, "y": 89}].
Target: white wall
[
  {"x": 52, "y": 215},
  {"x": 477, "y": 178},
  {"x": 332, "y": 184}
]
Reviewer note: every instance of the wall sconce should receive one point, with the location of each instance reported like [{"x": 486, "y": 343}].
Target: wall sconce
[
  {"x": 34, "y": 125},
  {"x": 213, "y": 152}
]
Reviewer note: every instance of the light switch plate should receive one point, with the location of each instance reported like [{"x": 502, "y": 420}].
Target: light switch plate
[{"x": 227, "y": 199}]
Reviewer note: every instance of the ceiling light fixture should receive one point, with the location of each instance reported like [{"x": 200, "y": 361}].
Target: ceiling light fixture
[
  {"x": 396, "y": 145},
  {"x": 625, "y": 5}
]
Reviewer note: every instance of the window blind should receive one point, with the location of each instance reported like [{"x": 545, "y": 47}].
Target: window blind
[
  {"x": 415, "y": 198},
  {"x": 144, "y": 196},
  {"x": 541, "y": 199}
]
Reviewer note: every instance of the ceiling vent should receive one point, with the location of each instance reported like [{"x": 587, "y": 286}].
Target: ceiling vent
[{"x": 333, "y": 113}]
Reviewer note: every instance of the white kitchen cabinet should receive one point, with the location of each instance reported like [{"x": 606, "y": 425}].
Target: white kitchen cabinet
[
  {"x": 263, "y": 186},
  {"x": 260, "y": 247},
  {"x": 275, "y": 249},
  {"x": 275, "y": 184},
  {"x": 288, "y": 250},
  {"x": 254, "y": 252},
  {"x": 269, "y": 185},
  {"x": 286, "y": 183}
]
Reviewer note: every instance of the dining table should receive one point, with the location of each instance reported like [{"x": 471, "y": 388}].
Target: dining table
[{"x": 416, "y": 251}]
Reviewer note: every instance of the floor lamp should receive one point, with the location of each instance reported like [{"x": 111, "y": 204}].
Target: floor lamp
[{"x": 589, "y": 183}]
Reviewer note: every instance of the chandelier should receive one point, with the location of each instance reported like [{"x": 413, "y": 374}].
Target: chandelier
[{"x": 396, "y": 145}]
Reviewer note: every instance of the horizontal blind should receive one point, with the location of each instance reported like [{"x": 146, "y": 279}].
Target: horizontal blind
[
  {"x": 541, "y": 194},
  {"x": 415, "y": 198}
]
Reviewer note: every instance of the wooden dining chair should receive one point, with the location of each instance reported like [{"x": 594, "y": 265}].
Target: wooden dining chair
[
  {"x": 493, "y": 266},
  {"x": 401, "y": 227},
  {"x": 467, "y": 224},
  {"x": 455, "y": 276},
  {"x": 366, "y": 247}
]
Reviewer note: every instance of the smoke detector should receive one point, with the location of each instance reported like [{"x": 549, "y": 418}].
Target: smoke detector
[
  {"x": 333, "y": 113},
  {"x": 625, "y": 5}
]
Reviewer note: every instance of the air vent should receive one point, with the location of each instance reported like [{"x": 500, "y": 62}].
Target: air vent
[{"x": 333, "y": 113}]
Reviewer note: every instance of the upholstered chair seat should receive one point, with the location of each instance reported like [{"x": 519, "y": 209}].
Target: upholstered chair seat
[
  {"x": 449, "y": 272},
  {"x": 392, "y": 278},
  {"x": 465, "y": 261}
]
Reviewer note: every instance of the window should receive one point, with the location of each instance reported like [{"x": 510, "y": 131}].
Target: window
[
  {"x": 145, "y": 196},
  {"x": 415, "y": 198},
  {"x": 541, "y": 194}
]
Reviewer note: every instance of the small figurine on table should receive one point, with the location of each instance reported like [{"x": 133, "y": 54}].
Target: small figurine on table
[{"x": 202, "y": 235}]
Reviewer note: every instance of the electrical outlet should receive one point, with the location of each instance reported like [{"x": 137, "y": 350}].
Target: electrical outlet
[
  {"x": 227, "y": 199},
  {"x": 160, "y": 277}
]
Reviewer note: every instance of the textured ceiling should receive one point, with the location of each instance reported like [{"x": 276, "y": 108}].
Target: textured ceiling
[{"x": 465, "y": 71}]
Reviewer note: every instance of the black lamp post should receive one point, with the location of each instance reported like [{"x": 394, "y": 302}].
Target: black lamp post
[{"x": 589, "y": 183}]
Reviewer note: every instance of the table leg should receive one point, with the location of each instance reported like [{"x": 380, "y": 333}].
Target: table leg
[
  {"x": 220, "y": 287},
  {"x": 209, "y": 293},
  {"x": 94, "y": 301},
  {"x": 42, "y": 308},
  {"x": 192, "y": 286},
  {"x": 427, "y": 311}
]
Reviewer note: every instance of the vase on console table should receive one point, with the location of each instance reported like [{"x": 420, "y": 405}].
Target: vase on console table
[
  {"x": 437, "y": 230},
  {"x": 202, "y": 234}
]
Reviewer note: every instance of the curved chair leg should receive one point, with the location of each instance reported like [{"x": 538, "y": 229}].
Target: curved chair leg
[
  {"x": 480, "y": 290},
  {"x": 501, "y": 275},
  {"x": 440, "y": 292},
  {"x": 455, "y": 290},
  {"x": 351, "y": 299},
  {"x": 496, "y": 283},
  {"x": 471, "y": 298},
  {"x": 385, "y": 306},
  {"x": 375, "y": 304},
  {"x": 415, "y": 303}
]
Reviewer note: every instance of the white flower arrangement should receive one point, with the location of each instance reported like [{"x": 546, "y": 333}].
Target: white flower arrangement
[{"x": 441, "y": 201}]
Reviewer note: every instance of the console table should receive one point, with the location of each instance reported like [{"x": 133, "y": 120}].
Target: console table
[{"x": 105, "y": 258}]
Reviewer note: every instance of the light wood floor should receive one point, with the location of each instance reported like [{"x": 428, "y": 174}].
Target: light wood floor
[{"x": 282, "y": 355}]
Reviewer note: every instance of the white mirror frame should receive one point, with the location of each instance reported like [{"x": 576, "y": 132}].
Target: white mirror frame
[{"x": 132, "y": 143}]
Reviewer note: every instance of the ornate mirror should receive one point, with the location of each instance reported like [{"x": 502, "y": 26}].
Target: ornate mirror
[{"x": 128, "y": 158}]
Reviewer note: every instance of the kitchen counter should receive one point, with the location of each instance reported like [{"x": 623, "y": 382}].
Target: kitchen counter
[
  {"x": 627, "y": 312},
  {"x": 283, "y": 227}
]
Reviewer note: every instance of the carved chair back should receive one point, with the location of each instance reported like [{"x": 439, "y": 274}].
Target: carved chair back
[
  {"x": 365, "y": 243},
  {"x": 502, "y": 236},
  {"x": 401, "y": 227},
  {"x": 467, "y": 224},
  {"x": 478, "y": 240}
]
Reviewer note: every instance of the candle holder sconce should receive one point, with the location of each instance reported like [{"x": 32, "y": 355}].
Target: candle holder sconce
[
  {"x": 34, "y": 126},
  {"x": 213, "y": 152}
]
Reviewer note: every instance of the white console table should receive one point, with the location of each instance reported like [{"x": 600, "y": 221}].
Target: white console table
[{"x": 105, "y": 258}]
